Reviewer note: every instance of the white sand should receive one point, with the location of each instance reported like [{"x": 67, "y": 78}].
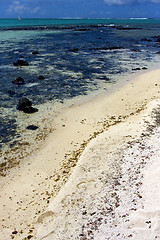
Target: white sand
[
  {"x": 101, "y": 198},
  {"x": 145, "y": 222},
  {"x": 64, "y": 194}
]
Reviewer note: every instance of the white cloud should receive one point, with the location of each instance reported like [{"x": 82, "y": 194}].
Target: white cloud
[
  {"x": 116, "y": 2},
  {"x": 17, "y": 7},
  {"x": 122, "y": 2}
]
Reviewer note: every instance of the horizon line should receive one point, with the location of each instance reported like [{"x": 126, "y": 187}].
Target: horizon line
[{"x": 78, "y": 18}]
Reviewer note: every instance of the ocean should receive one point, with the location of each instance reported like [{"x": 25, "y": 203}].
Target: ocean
[{"x": 68, "y": 60}]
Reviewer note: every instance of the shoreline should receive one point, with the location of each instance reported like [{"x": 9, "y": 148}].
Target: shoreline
[
  {"x": 29, "y": 188},
  {"x": 26, "y": 146}
]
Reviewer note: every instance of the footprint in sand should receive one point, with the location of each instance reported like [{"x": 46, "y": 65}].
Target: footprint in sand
[
  {"x": 71, "y": 200},
  {"x": 66, "y": 201},
  {"x": 82, "y": 188},
  {"x": 84, "y": 185},
  {"x": 46, "y": 217}
]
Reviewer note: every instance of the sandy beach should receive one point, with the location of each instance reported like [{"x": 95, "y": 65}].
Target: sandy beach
[{"x": 96, "y": 176}]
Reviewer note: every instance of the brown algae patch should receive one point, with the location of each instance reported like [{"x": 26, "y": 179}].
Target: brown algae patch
[{"x": 11, "y": 156}]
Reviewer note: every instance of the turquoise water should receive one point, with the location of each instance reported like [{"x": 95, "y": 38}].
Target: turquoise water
[{"x": 47, "y": 22}]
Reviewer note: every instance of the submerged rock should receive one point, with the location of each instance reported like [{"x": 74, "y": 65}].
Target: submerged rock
[
  {"x": 82, "y": 29},
  {"x": 18, "y": 81},
  {"x": 127, "y": 28},
  {"x": 25, "y": 105},
  {"x": 21, "y": 63},
  {"x": 11, "y": 92},
  {"x": 35, "y": 52},
  {"x": 157, "y": 52},
  {"x": 73, "y": 50},
  {"x": 158, "y": 39},
  {"x": 106, "y": 48},
  {"x": 146, "y": 40},
  {"x": 101, "y": 59},
  {"x": 32, "y": 127},
  {"x": 41, "y": 77},
  {"x": 135, "y": 69},
  {"x": 136, "y": 50},
  {"x": 104, "y": 78}
]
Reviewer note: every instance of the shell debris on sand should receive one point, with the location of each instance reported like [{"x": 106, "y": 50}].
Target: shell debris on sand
[{"x": 104, "y": 191}]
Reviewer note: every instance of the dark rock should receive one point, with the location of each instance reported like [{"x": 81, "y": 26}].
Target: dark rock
[
  {"x": 18, "y": 81},
  {"x": 143, "y": 39},
  {"x": 21, "y": 63},
  {"x": 115, "y": 48},
  {"x": 127, "y": 28},
  {"x": 135, "y": 69},
  {"x": 144, "y": 68},
  {"x": 25, "y": 105},
  {"x": 107, "y": 48},
  {"x": 14, "y": 232},
  {"x": 157, "y": 52},
  {"x": 158, "y": 39},
  {"x": 35, "y": 52},
  {"x": 29, "y": 109},
  {"x": 82, "y": 29},
  {"x": 32, "y": 127},
  {"x": 64, "y": 84},
  {"x": 73, "y": 50},
  {"x": 41, "y": 77},
  {"x": 101, "y": 59},
  {"x": 146, "y": 40},
  {"x": 24, "y": 102},
  {"x": 104, "y": 78},
  {"x": 11, "y": 92},
  {"x": 136, "y": 50},
  {"x": 99, "y": 37}
]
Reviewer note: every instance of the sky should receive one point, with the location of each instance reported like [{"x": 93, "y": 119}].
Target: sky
[{"x": 80, "y": 8}]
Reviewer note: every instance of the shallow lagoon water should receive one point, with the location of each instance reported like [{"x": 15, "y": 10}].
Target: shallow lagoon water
[{"x": 75, "y": 60}]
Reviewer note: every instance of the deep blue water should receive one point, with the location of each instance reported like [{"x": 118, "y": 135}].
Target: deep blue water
[{"x": 75, "y": 56}]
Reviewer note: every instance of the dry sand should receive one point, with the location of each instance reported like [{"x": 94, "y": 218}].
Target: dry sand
[
  {"x": 87, "y": 180},
  {"x": 103, "y": 198}
]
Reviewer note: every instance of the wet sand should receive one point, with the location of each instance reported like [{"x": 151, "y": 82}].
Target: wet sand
[{"x": 71, "y": 188}]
